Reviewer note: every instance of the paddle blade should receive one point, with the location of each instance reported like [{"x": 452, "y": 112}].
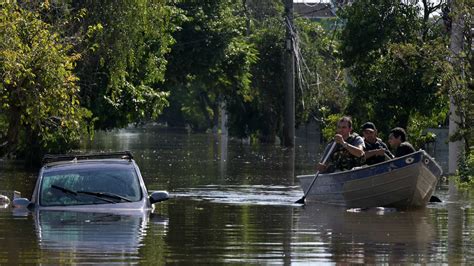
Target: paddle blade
[
  {"x": 300, "y": 201},
  {"x": 435, "y": 199}
]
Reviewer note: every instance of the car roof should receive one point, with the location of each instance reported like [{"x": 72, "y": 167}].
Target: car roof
[
  {"x": 75, "y": 160},
  {"x": 83, "y": 163}
]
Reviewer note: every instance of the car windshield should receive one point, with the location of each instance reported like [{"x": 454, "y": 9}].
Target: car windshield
[{"x": 90, "y": 185}]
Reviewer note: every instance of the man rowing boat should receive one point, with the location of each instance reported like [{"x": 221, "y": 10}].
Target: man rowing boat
[{"x": 349, "y": 151}]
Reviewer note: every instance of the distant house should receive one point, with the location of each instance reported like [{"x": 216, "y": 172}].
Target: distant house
[{"x": 314, "y": 11}]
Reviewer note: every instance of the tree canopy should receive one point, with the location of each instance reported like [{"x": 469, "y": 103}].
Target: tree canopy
[
  {"x": 398, "y": 72},
  {"x": 209, "y": 63},
  {"x": 39, "y": 97},
  {"x": 68, "y": 67},
  {"x": 122, "y": 72}
]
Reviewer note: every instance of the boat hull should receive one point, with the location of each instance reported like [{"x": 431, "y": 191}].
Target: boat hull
[{"x": 404, "y": 182}]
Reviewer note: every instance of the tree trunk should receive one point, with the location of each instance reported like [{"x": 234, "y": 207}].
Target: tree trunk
[
  {"x": 204, "y": 103},
  {"x": 12, "y": 133}
]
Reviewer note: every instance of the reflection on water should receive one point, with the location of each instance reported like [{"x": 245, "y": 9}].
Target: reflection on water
[
  {"x": 178, "y": 160},
  {"x": 371, "y": 236},
  {"x": 93, "y": 234},
  {"x": 232, "y": 203},
  {"x": 203, "y": 232}
]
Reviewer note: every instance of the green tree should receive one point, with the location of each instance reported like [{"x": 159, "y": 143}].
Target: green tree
[
  {"x": 39, "y": 103},
  {"x": 462, "y": 84},
  {"x": 319, "y": 75},
  {"x": 261, "y": 115},
  {"x": 209, "y": 63},
  {"x": 398, "y": 66},
  {"x": 123, "y": 60},
  {"x": 459, "y": 23}
]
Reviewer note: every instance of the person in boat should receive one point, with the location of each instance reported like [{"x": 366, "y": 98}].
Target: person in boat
[
  {"x": 375, "y": 151},
  {"x": 348, "y": 152},
  {"x": 398, "y": 141}
]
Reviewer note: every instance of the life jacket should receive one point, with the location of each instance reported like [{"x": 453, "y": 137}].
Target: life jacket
[{"x": 342, "y": 159}]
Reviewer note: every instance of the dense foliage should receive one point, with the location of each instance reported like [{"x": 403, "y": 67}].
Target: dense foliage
[
  {"x": 39, "y": 101},
  {"x": 68, "y": 67},
  {"x": 209, "y": 63},
  {"x": 103, "y": 56},
  {"x": 465, "y": 172},
  {"x": 232, "y": 54},
  {"x": 397, "y": 61},
  {"x": 260, "y": 116},
  {"x": 462, "y": 86},
  {"x": 321, "y": 78},
  {"x": 122, "y": 72}
]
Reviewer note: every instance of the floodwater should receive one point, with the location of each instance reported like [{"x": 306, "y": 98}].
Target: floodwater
[{"x": 231, "y": 203}]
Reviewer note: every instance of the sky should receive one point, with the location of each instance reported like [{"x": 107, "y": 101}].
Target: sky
[{"x": 311, "y": 1}]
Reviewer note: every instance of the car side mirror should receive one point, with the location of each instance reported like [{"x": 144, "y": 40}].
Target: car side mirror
[
  {"x": 159, "y": 196},
  {"x": 22, "y": 203}
]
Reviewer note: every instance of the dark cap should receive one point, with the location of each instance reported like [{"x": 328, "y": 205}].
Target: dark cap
[{"x": 369, "y": 126}]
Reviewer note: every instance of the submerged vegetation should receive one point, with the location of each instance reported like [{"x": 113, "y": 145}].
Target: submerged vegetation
[{"x": 71, "y": 67}]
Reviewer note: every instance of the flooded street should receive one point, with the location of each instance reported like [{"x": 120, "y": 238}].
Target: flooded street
[{"x": 231, "y": 203}]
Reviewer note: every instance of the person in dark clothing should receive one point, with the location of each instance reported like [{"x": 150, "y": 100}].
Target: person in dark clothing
[
  {"x": 375, "y": 148},
  {"x": 398, "y": 141}
]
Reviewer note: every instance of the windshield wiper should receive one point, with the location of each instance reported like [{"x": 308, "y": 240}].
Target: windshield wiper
[
  {"x": 103, "y": 195},
  {"x": 72, "y": 192},
  {"x": 65, "y": 190}
]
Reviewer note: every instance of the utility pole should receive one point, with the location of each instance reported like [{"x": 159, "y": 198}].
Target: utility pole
[
  {"x": 456, "y": 46},
  {"x": 289, "y": 119}
]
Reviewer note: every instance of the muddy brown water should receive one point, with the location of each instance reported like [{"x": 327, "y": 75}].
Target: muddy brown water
[{"x": 231, "y": 203}]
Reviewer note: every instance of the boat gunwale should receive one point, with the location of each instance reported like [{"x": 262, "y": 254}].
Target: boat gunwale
[{"x": 364, "y": 167}]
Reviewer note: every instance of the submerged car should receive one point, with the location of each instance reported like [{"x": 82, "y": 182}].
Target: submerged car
[{"x": 92, "y": 182}]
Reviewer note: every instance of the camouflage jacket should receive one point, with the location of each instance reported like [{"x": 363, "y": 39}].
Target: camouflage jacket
[{"x": 341, "y": 159}]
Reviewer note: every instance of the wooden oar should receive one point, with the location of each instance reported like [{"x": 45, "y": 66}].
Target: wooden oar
[{"x": 301, "y": 201}]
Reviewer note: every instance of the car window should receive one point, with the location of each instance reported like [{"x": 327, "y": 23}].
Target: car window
[{"x": 80, "y": 186}]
